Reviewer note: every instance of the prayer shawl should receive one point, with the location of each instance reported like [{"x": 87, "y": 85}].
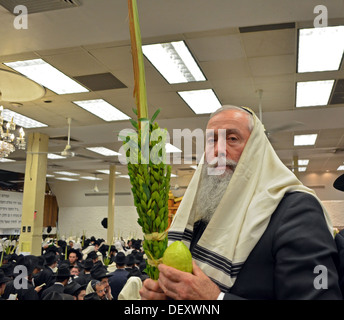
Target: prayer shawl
[{"x": 257, "y": 186}]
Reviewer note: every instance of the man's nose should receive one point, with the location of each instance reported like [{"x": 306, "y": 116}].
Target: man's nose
[{"x": 220, "y": 148}]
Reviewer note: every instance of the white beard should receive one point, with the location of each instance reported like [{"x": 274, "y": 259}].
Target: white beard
[{"x": 210, "y": 192}]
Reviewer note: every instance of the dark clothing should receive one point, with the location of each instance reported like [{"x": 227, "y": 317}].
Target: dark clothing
[
  {"x": 46, "y": 276},
  {"x": 22, "y": 294},
  {"x": 83, "y": 278},
  {"x": 281, "y": 265},
  {"x": 117, "y": 280},
  {"x": 56, "y": 287},
  {"x": 340, "y": 246}
]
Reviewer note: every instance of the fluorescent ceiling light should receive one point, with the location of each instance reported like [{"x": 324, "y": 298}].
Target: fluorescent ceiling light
[
  {"x": 21, "y": 120},
  {"x": 170, "y": 148},
  {"x": 104, "y": 151},
  {"x": 91, "y": 178},
  {"x": 50, "y": 176},
  {"x": 201, "y": 101},
  {"x": 55, "y": 156},
  {"x": 173, "y": 175},
  {"x": 174, "y": 61},
  {"x": 48, "y": 76},
  {"x": 66, "y": 173},
  {"x": 67, "y": 179},
  {"x": 303, "y": 162},
  {"x": 193, "y": 167},
  {"x": 302, "y": 169},
  {"x": 102, "y": 109},
  {"x": 305, "y": 139},
  {"x": 107, "y": 171},
  {"x": 340, "y": 168},
  {"x": 7, "y": 160},
  {"x": 126, "y": 176},
  {"x": 313, "y": 93},
  {"x": 320, "y": 49}
]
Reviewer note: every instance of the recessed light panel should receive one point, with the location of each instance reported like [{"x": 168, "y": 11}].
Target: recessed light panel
[
  {"x": 21, "y": 120},
  {"x": 313, "y": 93},
  {"x": 305, "y": 139},
  {"x": 320, "y": 49},
  {"x": 102, "y": 109},
  {"x": 201, "y": 101},
  {"x": 104, "y": 151},
  {"x": 67, "y": 173},
  {"x": 174, "y": 61},
  {"x": 48, "y": 76}
]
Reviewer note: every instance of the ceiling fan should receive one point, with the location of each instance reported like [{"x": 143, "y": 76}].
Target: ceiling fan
[{"x": 67, "y": 150}]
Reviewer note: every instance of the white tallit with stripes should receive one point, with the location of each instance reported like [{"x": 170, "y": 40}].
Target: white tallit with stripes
[{"x": 257, "y": 186}]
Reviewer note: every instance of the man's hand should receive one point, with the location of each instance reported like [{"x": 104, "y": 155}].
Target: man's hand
[
  {"x": 180, "y": 285},
  {"x": 151, "y": 291}
]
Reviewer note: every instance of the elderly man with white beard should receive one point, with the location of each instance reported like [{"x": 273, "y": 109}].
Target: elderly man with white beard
[{"x": 254, "y": 230}]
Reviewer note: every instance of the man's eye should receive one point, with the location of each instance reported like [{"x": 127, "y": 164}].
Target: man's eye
[{"x": 232, "y": 139}]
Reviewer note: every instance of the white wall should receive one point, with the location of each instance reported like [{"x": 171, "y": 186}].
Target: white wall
[
  {"x": 333, "y": 199},
  {"x": 73, "y": 220}
]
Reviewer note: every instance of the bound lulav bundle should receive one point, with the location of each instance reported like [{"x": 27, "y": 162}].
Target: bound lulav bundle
[{"x": 148, "y": 172}]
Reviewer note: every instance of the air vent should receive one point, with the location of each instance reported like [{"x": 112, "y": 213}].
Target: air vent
[
  {"x": 100, "y": 81},
  {"x": 338, "y": 92},
  {"x": 39, "y": 5},
  {"x": 268, "y": 27}
]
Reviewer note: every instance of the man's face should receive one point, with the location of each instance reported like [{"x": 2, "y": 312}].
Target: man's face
[
  {"x": 72, "y": 257},
  {"x": 229, "y": 142},
  {"x": 81, "y": 295},
  {"x": 100, "y": 289},
  {"x": 74, "y": 271}
]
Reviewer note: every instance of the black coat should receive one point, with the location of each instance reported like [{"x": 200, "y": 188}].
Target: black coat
[
  {"x": 281, "y": 266},
  {"x": 117, "y": 280},
  {"x": 22, "y": 294},
  {"x": 56, "y": 287}
]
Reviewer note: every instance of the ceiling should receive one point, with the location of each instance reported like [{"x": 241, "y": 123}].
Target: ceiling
[{"x": 93, "y": 39}]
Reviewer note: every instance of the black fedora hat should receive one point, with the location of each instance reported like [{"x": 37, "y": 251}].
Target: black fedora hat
[
  {"x": 50, "y": 257},
  {"x": 58, "y": 296},
  {"x": 131, "y": 260},
  {"x": 99, "y": 271},
  {"x": 87, "y": 264},
  {"x": 63, "y": 272},
  {"x": 92, "y": 255},
  {"x": 120, "y": 258},
  {"x": 339, "y": 183},
  {"x": 73, "y": 288},
  {"x": 3, "y": 278}
]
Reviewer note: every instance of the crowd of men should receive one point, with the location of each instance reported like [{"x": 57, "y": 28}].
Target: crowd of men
[{"x": 86, "y": 270}]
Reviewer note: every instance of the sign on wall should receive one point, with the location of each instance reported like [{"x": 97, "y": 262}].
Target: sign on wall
[{"x": 10, "y": 212}]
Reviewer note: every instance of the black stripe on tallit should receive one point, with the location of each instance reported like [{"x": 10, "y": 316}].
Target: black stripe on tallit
[{"x": 217, "y": 261}]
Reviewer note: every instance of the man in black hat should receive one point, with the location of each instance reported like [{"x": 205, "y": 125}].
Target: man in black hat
[
  {"x": 75, "y": 289},
  {"x": 74, "y": 257},
  {"x": 119, "y": 277},
  {"x": 99, "y": 272},
  {"x": 3, "y": 281},
  {"x": 47, "y": 275},
  {"x": 62, "y": 277},
  {"x": 85, "y": 276},
  {"x": 93, "y": 255},
  {"x": 21, "y": 286}
]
